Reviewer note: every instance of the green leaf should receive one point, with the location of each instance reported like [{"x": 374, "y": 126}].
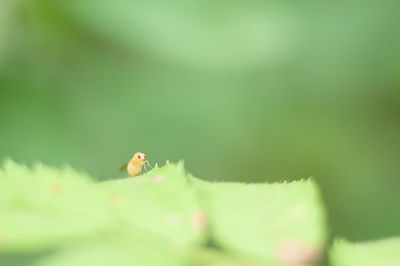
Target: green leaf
[
  {"x": 43, "y": 207},
  {"x": 370, "y": 253},
  {"x": 52, "y": 216},
  {"x": 212, "y": 257},
  {"x": 45, "y": 210},
  {"x": 159, "y": 202},
  {"x": 272, "y": 222},
  {"x": 113, "y": 253}
]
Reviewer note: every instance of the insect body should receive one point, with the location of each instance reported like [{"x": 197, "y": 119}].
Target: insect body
[{"x": 134, "y": 165}]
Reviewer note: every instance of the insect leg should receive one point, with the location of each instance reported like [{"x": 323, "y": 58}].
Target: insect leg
[
  {"x": 148, "y": 163},
  {"x": 144, "y": 167}
]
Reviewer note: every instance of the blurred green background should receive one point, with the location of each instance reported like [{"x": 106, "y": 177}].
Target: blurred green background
[{"x": 241, "y": 90}]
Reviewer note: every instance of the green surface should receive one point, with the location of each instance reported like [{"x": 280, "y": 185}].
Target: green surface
[
  {"x": 264, "y": 217},
  {"x": 51, "y": 216},
  {"x": 44, "y": 207},
  {"x": 371, "y": 253},
  {"x": 114, "y": 253}
]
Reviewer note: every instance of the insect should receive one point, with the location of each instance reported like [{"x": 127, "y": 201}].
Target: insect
[{"x": 134, "y": 165}]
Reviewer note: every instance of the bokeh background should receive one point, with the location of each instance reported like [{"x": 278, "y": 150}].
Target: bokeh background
[{"x": 249, "y": 91}]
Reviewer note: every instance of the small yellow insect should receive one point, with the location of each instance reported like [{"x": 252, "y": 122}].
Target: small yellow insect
[{"x": 134, "y": 165}]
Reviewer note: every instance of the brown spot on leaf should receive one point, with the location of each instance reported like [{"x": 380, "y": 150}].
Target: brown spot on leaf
[
  {"x": 294, "y": 252},
  {"x": 115, "y": 197},
  {"x": 199, "y": 220},
  {"x": 157, "y": 179},
  {"x": 56, "y": 189}
]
